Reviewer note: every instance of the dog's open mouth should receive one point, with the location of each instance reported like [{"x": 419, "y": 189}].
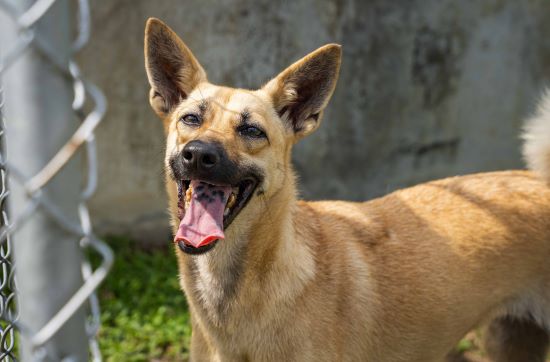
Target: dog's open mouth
[{"x": 206, "y": 210}]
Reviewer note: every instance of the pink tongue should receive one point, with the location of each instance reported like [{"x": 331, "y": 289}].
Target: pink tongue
[{"x": 203, "y": 220}]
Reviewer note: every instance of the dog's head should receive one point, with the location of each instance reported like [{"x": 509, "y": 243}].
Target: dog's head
[{"x": 228, "y": 150}]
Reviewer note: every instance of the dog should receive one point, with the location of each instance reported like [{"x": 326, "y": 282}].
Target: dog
[{"x": 399, "y": 278}]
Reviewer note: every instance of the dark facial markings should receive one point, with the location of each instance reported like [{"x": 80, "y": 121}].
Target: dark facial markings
[
  {"x": 226, "y": 172},
  {"x": 193, "y": 118},
  {"x": 203, "y": 106},
  {"x": 245, "y": 115},
  {"x": 249, "y": 129}
]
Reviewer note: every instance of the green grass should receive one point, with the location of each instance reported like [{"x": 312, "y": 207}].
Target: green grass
[{"x": 144, "y": 313}]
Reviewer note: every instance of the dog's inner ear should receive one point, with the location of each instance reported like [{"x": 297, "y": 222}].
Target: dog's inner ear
[
  {"x": 171, "y": 68},
  {"x": 301, "y": 92}
]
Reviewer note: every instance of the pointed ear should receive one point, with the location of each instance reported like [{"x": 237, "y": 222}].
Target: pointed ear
[
  {"x": 301, "y": 91},
  {"x": 172, "y": 69}
]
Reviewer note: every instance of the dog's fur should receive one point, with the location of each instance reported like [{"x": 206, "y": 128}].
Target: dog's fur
[{"x": 399, "y": 278}]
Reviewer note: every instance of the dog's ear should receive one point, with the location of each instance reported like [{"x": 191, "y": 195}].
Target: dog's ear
[
  {"x": 172, "y": 69},
  {"x": 301, "y": 91}
]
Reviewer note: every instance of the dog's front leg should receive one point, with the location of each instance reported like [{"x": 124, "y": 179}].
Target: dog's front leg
[{"x": 200, "y": 349}]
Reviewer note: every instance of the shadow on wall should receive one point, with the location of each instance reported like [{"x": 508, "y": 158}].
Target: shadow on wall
[{"x": 427, "y": 89}]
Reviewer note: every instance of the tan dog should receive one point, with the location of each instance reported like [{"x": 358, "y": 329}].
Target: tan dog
[{"x": 400, "y": 278}]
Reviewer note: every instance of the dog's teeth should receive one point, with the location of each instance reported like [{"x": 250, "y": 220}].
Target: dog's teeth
[
  {"x": 189, "y": 193},
  {"x": 226, "y": 212},
  {"x": 188, "y": 196},
  {"x": 231, "y": 200}
]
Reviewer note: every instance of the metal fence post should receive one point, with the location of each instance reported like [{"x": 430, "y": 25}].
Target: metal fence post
[{"x": 38, "y": 107}]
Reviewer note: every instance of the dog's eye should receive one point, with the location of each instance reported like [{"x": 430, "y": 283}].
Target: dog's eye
[
  {"x": 191, "y": 120},
  {"x": 251, "y": 131}
]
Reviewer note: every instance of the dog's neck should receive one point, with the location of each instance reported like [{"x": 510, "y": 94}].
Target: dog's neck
[{"x": 265, "y": 258}]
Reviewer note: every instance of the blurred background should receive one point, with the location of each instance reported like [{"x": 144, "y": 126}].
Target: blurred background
[{"x": 428, "y": 89}]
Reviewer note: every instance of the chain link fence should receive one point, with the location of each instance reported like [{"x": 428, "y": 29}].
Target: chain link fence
[
  {"x": 8, "y": 309},
  {"x": 40, "y": 198}
]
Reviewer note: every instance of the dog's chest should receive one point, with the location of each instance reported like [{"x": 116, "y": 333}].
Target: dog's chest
[
  {"x": 237, "y": 316},
  {"x": 243, "y": 337}
]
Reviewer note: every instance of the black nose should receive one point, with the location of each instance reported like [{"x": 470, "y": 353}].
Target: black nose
[{"x": 200, "y": 155}]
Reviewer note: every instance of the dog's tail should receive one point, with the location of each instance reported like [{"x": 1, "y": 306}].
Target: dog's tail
[{"x": 536, "y": 137}]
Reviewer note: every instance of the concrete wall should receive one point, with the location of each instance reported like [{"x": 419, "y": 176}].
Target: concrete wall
[{"x": 428, "y": 89}]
